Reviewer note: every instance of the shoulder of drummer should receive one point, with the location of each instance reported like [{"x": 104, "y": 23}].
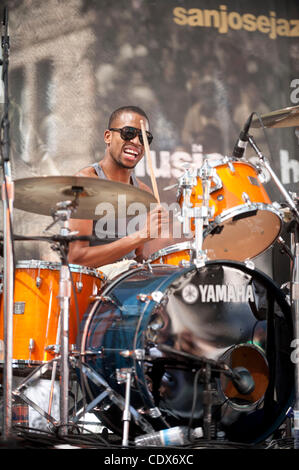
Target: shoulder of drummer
[{"x": 87, "y": 171}]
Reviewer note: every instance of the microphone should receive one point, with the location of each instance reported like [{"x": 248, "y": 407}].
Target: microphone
[
  {"x": 242, "y": 380},
  {"x": 241, "y": 144}
]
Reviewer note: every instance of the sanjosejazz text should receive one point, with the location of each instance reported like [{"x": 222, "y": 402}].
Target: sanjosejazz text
[{"x": 224, "y": 20}]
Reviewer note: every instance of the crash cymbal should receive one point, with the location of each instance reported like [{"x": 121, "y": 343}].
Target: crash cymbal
[
  {"x": 41, "y": 194},
  {"x": 287, "y": 117}
]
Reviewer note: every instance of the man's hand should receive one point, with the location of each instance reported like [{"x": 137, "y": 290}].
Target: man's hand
[{"x": 156, "y": 225}]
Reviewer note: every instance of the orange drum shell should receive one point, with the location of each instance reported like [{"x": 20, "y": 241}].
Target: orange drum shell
[
  {"x": 40, "y": 319},
  {"x": 234, "y": 184},
  {"x": 248, "y": 223},
  {"x": 173, "y": 258}
]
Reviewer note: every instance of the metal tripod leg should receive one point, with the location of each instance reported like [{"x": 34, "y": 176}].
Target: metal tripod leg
[{"x": 126, "y": 412}]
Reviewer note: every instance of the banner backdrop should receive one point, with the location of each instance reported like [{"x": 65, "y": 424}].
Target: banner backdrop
[{"x": 198, "y": 68}]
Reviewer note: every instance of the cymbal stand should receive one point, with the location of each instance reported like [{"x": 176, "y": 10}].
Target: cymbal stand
[
  {"x": 8, "y": 199},
  {"x": 62, "y": 214},
  {"x": 294, "y": 276}
]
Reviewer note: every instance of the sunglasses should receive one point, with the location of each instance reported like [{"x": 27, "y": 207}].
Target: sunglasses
[{"x": 129, "y": 133}]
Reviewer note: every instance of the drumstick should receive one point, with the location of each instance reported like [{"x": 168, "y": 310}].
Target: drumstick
[{"x": 149, "y": 161}]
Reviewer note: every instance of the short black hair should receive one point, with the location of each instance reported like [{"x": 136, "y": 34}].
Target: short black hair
[{"x": 119, "y": 111}]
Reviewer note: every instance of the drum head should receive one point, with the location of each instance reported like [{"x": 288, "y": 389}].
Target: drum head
[
  {"x": 241, "y": 233},
  {"x": 222, "y": 312}
]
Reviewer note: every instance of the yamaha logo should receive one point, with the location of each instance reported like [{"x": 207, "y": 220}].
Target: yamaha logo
[
  {"x": 218, "y": 293},
  {"x": 226, "y": 293}
]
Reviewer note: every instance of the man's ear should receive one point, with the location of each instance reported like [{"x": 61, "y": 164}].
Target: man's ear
[{"x": 107, "y": 136}]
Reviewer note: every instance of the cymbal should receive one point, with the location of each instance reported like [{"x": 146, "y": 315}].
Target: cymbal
[
  {"x": 286, "y": 117},
  {"x": 41, "y": 194}
]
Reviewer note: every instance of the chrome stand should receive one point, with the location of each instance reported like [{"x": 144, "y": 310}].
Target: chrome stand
[
  {"x": 8, "y": 294},
  {"x": 63, "y": 214},
  {"x": 7, "y": 198},
  {"x": 295, "y": 311},
  {"x": 294, "y": 277},
  {"x": 200, "y": 213},
  {"x": 126, "y": 413}
]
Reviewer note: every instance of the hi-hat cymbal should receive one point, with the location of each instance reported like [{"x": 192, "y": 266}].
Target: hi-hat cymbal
[
  {"x": 286, "y": 117},
  {"x": 41, "y": 194}
]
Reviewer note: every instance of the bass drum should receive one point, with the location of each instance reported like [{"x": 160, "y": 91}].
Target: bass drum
[{"x": 222, "y": 311}]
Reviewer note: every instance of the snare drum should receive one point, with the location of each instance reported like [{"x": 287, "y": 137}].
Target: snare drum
[
  {"x": 177, "y": 255},
  {"x": 245, "y": 222},
  {"x": 36, "y": 308}
]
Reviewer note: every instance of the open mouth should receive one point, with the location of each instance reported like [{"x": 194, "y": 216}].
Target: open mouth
[{"x": 131, "y": 153}]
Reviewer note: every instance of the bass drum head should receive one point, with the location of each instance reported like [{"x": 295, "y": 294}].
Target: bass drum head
[{"x": 224, "y": 312}]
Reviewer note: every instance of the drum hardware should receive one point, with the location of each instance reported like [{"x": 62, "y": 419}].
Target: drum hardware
[
  {"x": 294, "y": 291},
  {"x": 79, "y": 286},
  {"x": 265, "y": 162},
  {"x": 226, "y": 199},
  {"x": 8, "y": 197},
  {"x": 53, "y": 348},
  {"x": 31, "y": 348},
  {"x": 38, "y": 282},
  {"x": 157, "y": 296},
  {"x": 240, "y": 377},
  {"x": 63, "y": 213},
  {"x": 144, "y": 297},
  {"x": 284, "y": 248},
  {"x": 138, "y": 354},
  {"x": 203, "y": 214},
  {"x": 37, "y": 373},
  {"x": 113, "y": 396},
  {"x": 126, "y": 413},
  {"x": 249, "y": 264},
  {"x": 151, "y": 412},
  {"x": 278, "y": 119},
  {"x": 246, "y": 198}
]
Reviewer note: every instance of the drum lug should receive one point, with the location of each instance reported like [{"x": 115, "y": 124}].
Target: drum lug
[
  {"x": 53, "y": 348},
  {"x": 38, "y": 281},
  {"x": 79, "y": 286},
  {"x": 229, "y": 164},
  {"x": 249, "y": 264},
  {"x": 31, "y": 347},
  {"x": 156, "y": 296},
  {"x": 246, "y": 198}
]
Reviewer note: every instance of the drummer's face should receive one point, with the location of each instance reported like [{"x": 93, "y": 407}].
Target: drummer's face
[{"x": 125, "y": 153}]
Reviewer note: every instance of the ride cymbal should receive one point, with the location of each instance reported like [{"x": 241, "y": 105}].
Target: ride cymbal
[
  {"x": 286, "y": 117},
  {"x": 41, "y": 194}
]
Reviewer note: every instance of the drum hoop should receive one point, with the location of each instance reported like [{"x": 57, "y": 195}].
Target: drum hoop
[
  {"x": 55, "y": 266},
  {"x": 243, "y": 208},
  {"x": 226, "y": 160},
  {"x": 170, "y": 249}
]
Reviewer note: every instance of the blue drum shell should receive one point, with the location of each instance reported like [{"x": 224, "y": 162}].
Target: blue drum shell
[{"x": 206, "y": 312}]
